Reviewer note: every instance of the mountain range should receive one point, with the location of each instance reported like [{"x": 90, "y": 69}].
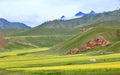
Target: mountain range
[
  {"x": 5, "y": 24},
  {"x": 82, "y": 21},
  {"x": 74, "y": 26}
]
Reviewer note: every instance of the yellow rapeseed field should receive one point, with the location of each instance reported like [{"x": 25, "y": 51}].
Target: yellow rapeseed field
[
  {"x": 109, "y": 65},
  {"x": 15, "y": 52}
]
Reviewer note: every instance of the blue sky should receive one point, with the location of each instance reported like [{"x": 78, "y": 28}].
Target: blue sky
[{"x": 35, "y": 12}]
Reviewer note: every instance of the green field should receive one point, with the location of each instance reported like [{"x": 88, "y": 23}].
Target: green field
[{"x": 25, "y": 61}]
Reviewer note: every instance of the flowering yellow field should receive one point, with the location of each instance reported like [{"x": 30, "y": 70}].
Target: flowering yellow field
[
  {"x": 109, "y": 65},
  {"x": 41, "y": 60},
  {"x": 15, "y": 52}
]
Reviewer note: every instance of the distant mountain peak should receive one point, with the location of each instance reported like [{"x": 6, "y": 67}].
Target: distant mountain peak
[
  {"x": 62, "y": 17},
  {"x": 80, "y": 14},
  {"x": 4, "y": 20},
  {"x": 92, "y": 12},
  {"x": 15, "y": 25}
]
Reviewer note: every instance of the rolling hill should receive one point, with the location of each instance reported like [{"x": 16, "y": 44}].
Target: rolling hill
[
  {"x": 102, "y": 23},
  {"x": 48, "y": 37},
  {"x": 6, "y": 31},
  {"x": 111, "y": 34},
  {"x": 71, "y": 26},
  {"x": 14, "y": 44},
  {"x": 45, "y": 37},
  {"x": 48, "y": 31}
]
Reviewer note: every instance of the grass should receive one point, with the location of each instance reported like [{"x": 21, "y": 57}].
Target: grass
[
  {"x": 9, "y": 31},
  {"x": 81, "y": 39},
  {"x": 42, "y": 40},
  {"x": 48, "y": 31},
  {"x": 27, "y": 59},
  {"x": 63, "y": 72},
  {"x": 15, "y": 63},
  {"x": 15, "y": 45}
]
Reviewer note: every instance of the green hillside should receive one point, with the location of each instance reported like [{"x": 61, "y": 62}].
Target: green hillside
[
  {"x": 42, "y": 40},
  {"x": 48, "y": 31},
  {"x": 17, "y": 46},
  {"x": 112, "y": 34},
  {"x": 102, "y": 23},
  {"x": 48, "y": 37},
  {"x": 6, "y": 32}
]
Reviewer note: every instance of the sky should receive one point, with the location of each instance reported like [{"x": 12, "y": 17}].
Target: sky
[{"x": 35, "y": 12}]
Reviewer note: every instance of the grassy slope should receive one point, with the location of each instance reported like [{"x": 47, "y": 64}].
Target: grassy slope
[
  {"x": 42, "y": 40},
  {"x": 45, "y": 37},
  {"x": 55, "y": 35},
  {"x": 9, "y": 31},
  {"x": 103, "y": 23},
  {"x": 36, "y": 41},
  {"x": 112, "y": 34},
  {"x": 50, "y": 37},
  {"x": 48, "y": 31},
  {"x": 15, "y": 45}
]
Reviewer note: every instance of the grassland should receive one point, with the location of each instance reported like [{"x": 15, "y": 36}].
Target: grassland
[
  {"x": 48, "y": 31},
  {"x": 25, "y": 62},
  {"x": 40, "y": 40},
  {"x": 45, "y": 38},
  {"x": 9, "y": 31},
  {"x": 111, "y": 34}
]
